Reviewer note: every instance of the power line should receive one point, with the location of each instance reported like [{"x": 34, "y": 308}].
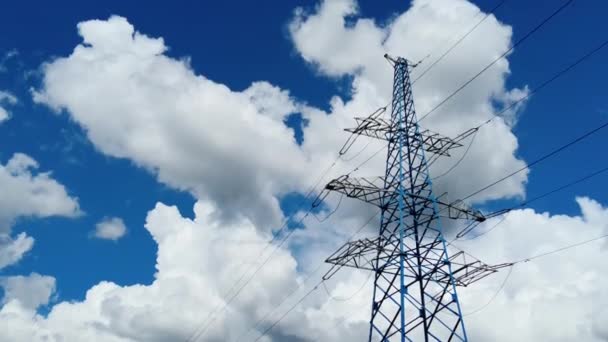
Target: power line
[
  {"x": 260, "y": 321},
  {"x": 500, "y": 288},
  {"x": 240, "y": 289},
  {"x": 529, "y": 165},
  {"x": 512, "y": 264},
  {"x": 322, "y": 282},
  {"x": 555, "y": 251},
  {"x": 358, "y": 152},
  {"x": 533, "y": 91},
  {"x": 212, "y": 315},
  {"x": 464, "y": 232},
  {"x": 536, "y": 198},
  {"x": 197, "y": 332},
  {"x": 463, "y": 37},
  {"x": 548, "y": 81},
  {"x": 368, "y": 159},
  {"x": 540, "y": 159},
  {"x": 505, "y": 212},
  {"x": 459, "y": 160},
  {"x": 558, "y": 250},
  {"x": 331, "y": 166},
  {"x": 353, "y": 137},
  {"x": 580, "y": 180},
  {"x": 469, "y": 228},
  {"x": 321, "y": 220},
  {"x": 205, "y": 325},
  {"x": 517, "y": 43},
  {"x": 352, "y": 295},
  {"x": 289, "y": 311}
]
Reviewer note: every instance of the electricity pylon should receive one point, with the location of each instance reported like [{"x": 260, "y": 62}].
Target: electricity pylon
[{"x": 414, "y": 295}]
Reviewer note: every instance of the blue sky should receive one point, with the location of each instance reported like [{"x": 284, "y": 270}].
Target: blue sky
[{"x": 235, "y": 43}]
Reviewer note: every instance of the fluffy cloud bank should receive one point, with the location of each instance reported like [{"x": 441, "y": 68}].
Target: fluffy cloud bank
[
  {"x": 30, "y": 291},
  {"x": 189, "y": 283},
  {"x": 558, "y": 298},
  {"x": 6, "y": 98},
  {"x": 195, "y": 134},
  {"x": 27, "y": 194}
]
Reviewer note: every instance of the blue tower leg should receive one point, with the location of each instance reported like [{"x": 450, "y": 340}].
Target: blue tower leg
[{"x": 414, "y": 291}]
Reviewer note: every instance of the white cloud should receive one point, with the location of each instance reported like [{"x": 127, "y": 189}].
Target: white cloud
[
  {"x": 189, "y": 254},
  {"x": 6, "y": 98},
  {"x": 13, "y": 249},
  {"x": 194, "y": 134},
  {"x": 559, "y": 297},
  {"x": 3, "y": 114},
  {"x": 31, "y": 291},
  {"x": 26, "y": 194},
  {"x": 32, "y": 195},
  {"x": 112, "y": 228}
]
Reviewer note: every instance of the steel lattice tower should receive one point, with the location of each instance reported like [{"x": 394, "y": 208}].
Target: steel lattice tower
[{"x": 414, "y": 295}]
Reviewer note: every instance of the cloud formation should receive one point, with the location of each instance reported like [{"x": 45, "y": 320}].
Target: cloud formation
[
  {"x": 30, "y": 291},
  {"x": 26, "y": 193},
  {"x": 537, "y": 296},
  {"x": 194, "y": 134},
  {"x": 559, "y": 297},
  {"x": 6, "y": 98},
  {"x": 111, "y": 228},
  {"x": 192, "y": 255}
]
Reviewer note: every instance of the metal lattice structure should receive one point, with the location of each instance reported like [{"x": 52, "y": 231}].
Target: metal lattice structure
[{"x": 414, "y": 295}]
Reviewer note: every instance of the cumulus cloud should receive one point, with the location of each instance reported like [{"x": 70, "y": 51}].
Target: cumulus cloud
[
  {"x": 192, "y": 255},
  {"x": 194, "y": 134},
  {"x": 6, "y": 98},
  {"x": 564, "y": 288},
  {"x": 31, "y": 194},
  {"x": 559, "y": 297},
  {"x": 26, "y": 193},
  {"x": 12, "y": 249},
  {"x": 111, "y": 228},
  {"x": 30, "y": 291}
]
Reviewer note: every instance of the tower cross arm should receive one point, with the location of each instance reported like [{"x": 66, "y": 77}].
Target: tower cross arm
[
  {"x": 367, "y": 190},
  {"x": 383, "y": 194},
  {"x": 467, "y": 270},
  {"x": 460, "y": 210},
  {"x": 375, "y": 126},
  {"x": 357, "y": 254},
  {"x": 361, "y": 254}
]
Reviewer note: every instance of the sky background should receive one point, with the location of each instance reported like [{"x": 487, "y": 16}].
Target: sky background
[{"x": 235, "y": 43}]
